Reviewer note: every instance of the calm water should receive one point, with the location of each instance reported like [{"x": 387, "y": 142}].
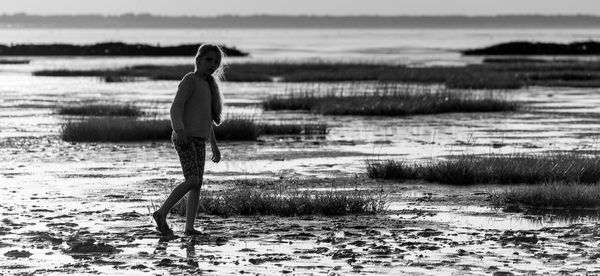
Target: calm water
[
  {"x": 28, "y": 103},
  {"x": 421, "y": 46}
]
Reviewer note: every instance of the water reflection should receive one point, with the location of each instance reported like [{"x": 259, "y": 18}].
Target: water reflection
[
  {"x": 563, "y": 216},
  {"x": 510, "y": 221},
  {"x": 481, "y": 217}
]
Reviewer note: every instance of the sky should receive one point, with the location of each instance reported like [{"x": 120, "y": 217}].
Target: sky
[{"x": 301, "y": 7}]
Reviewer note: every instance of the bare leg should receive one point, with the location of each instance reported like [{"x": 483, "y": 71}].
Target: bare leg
[
  {"x": 192, "y": 163},
  {"x": 191, "y": 210},
  {"x": 176, "y": 195}
]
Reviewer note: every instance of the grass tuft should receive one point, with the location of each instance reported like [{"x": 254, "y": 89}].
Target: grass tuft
[
  {"x": 572, "y": 167},
  {"x": 115, "y": 130},
  {"x": 392, "y": 169},
  {"x": 550, "y": 195},
  {"x": 248, "y": 201},
  {"x": 238, "y": 129}
]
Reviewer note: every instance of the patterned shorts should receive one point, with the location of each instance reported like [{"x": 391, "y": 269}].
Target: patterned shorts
[{"x": 192, "y": 156}]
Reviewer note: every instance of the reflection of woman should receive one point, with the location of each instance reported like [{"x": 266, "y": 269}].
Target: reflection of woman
[{"x": 197, "y": 106}]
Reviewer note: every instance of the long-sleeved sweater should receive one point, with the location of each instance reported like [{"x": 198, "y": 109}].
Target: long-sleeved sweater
[{"x": 191, "y": 108}]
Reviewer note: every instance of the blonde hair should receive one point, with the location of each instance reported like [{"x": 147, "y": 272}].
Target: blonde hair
[{"x": 214, "y": 79}]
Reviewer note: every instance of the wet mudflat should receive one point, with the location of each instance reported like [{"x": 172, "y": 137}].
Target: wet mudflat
[
  {"x": 102, "y": 225},
  {"x": 83, "y": 208}
]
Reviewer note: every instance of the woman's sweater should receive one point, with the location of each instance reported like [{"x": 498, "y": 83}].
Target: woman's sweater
[{"x": 191, "y": 108}]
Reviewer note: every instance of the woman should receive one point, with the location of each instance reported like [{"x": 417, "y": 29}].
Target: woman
[{"x": 196, "y": 109}]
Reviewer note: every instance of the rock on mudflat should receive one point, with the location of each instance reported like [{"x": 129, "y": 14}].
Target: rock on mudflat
[
  {"x": 343, "y": 254},
  {"x": 89, "y": 246},
  {"x": 503, "y": 273},
  {"x": 18, "y": 254}
]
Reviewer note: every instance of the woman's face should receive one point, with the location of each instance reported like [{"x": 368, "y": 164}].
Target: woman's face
[{"x": 208, "y": 63}]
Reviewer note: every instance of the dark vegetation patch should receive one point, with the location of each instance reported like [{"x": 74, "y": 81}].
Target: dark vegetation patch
[
  {"x": 106, "y": 49},
  {"x": 238, "y": 129},
  {"x": 14, "y": 61},
  {"x": 550, "y": 195},
  {"x": 101, "y": 109},
  {"x": 247, "y": 199},
  {"x": 569, "y": 167},
  {"x": 489, "y": 75},
  {"x": 475, "y": 77},
  {"x": 391, "y": 100},
  {"x": 111, "y": 129},
  {"x": 509, "y": 60},
  {"x": 538, "y": 48},
  {"x": 113, "y": 78}
]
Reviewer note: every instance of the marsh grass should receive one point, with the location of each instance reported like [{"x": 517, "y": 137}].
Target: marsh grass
[
  {"x": 111, "y": 129},
  {"x": 116, "y": 78},
  {"x": 80, "y": 73},
  {"x": 246, "y": 72},
  {"x": 550, "y": 195},
  {"x": 14, "y": 61},
  {"x": 510, "y": 74},
  {"x": 391, "y": 99},
  {"x": 238, "y": 129},
  {"x": 247, "y": 128},
  {"x": 101, "y": 109},
  {"x": 513, "y": 60},
  {"x": 570, "y": 167},
  {"x": 294, "y": 129},
  {"x": 453, "y": 77},
  {"x": 249, "y": 200},
  {"x": 115, "y": 129}
]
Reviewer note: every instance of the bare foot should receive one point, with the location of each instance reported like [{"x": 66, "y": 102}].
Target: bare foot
[{"x": 161, "y": 224}]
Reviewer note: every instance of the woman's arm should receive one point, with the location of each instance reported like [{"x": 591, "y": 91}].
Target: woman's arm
[
  {"x": 184, "y": 92},
  {"x": 213, "y": 144}
]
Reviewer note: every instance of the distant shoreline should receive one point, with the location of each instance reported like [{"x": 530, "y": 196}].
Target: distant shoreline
[
  {"x": 108, "y": 49},
  {"x": 147, "y": 21},
  {"x": 526, "y": 48}
]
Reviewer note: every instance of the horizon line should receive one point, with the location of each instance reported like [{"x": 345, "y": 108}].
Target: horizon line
[{"x": 307, "y": 15}]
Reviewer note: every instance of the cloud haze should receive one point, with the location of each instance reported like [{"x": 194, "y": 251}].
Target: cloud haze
[{"x": 304, "y": 7}]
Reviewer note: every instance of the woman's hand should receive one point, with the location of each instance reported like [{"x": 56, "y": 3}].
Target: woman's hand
[
  {"x": 216, "y": 155},
  {"x": 213, "y": 145},
  {"x": 182, "y": 139}
]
